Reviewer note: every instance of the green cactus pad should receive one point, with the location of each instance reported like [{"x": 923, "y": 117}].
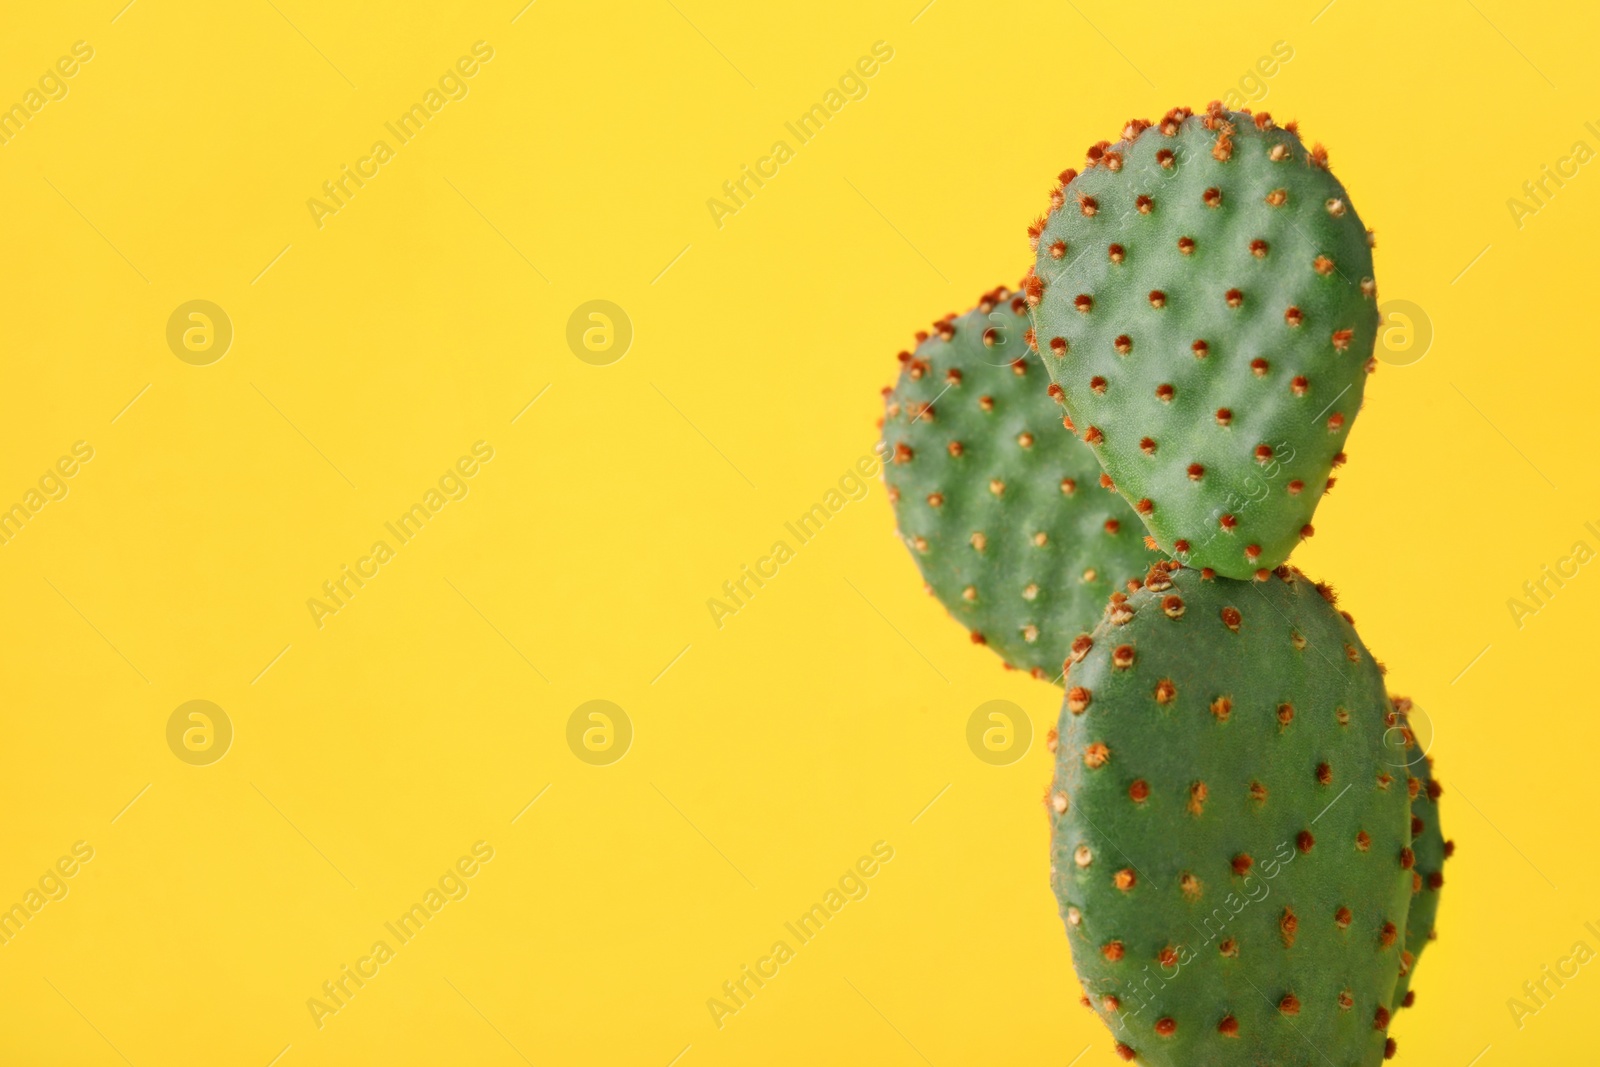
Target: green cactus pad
[
  {"x": 1204, "y": 298},
  {"x": 1431, "y": 850},
  {"x": 1230, "y": 847},
  {"x": 1002, "y": 508}
]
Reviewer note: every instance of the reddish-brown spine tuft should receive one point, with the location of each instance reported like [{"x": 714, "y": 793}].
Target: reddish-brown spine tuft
[{"x": 1033, "y": 288}]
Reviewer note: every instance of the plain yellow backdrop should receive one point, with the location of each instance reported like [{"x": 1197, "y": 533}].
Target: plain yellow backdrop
[{"x": 769, "y": 754}]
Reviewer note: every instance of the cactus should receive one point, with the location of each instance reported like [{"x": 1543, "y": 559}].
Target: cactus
[
  {"x": 1431, "y": 850},
  {"x": 1003, "y": 510},
  {"x": 1203, "y": 296},
  {"x": 1231, "y": 847}
]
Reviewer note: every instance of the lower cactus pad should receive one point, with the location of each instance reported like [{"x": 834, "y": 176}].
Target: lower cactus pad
[{"x": 1231, "y": 848}]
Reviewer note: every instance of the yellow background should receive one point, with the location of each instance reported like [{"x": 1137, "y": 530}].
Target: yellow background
[{"x": 832, "y": 709}]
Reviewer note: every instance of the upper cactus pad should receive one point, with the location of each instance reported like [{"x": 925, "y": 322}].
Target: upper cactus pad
[
  {"x": 1231, "y": 848},
  {"x": 1002, "y": 509},
  {"x": 1204, "y": 297}
]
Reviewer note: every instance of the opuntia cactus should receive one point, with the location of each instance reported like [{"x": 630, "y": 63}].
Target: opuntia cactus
[
  {"x": 1231, "y": 849},
  {"x": 1204, "y": 298},
  {"x": 1002, "y": 509},
  {"x": 1431, "y": 851}
]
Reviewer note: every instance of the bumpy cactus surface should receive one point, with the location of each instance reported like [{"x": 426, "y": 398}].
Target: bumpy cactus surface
[
  {"x": 1002, "y": 509},
  {"x": 1231, "y": 847},
  {"x": 1205, "y": 300},
  {"x": 1430, "y": 847}
]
